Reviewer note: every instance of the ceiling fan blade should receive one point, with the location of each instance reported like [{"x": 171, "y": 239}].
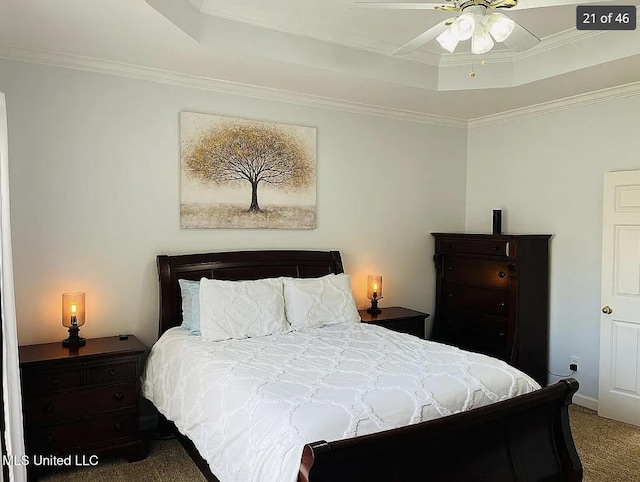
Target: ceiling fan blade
[
  {"x": 526, "y": 4},
  {"x": 399, "y": 6},
  {"x": 423, "y": 38},
  {"x": 521, "y": 39}
]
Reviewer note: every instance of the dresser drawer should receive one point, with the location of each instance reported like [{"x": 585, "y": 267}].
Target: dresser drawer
[
  {"x": 477, "y": 299},
  {"x": 58, "y": 407},
  {"x": 48, "y": 381},
  {"x": 481, "y": 272},
  {"x": 473, "y": 246},
  {"x": 476, "y": 332},
  {"x": 91, "y": 431},
  {"x": 111, "y": 373}
]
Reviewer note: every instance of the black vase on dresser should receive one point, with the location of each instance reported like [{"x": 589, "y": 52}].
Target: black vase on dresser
[{"x": 492, "y": 297}]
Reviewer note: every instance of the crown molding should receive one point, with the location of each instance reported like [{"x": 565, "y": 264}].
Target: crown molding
[
  {"x": 140, "y": 72},
  {"x": 120, "y": 69},
  {"x": 580, "y": 100}
]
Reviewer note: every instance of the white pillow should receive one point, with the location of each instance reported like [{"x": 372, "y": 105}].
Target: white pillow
[
  {"x": 241, "y": 309},
  {"x": 313, "y": 302}
]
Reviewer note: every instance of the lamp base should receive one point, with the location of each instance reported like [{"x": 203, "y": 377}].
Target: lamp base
[
  {"x": 374, "y": 310},
  {"x": 74, "y": 339}
]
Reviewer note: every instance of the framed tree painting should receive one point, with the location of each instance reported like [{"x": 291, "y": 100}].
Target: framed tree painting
[{"x": 241, "y": 173}]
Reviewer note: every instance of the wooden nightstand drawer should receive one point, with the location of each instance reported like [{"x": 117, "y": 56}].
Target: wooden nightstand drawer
[
  {"x": 412, "y": 327},
  {"x": 398, "y": 319},
  {"x": 66, "y": 437},
  {"x": 111, "y": 373},
  {"x": 113, "y": 397},
  {"x": 74, "y": 404},
  {"x": 48, "y": 381}
]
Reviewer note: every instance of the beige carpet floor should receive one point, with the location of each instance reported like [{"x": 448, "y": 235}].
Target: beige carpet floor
[
  {"x": 167, "y": 462},
  {"x": 610, "y": 452}
]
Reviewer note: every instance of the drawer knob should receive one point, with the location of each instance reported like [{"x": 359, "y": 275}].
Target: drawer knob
[
  {"x": 501, "y": 334},
  {"x": 55, "y": 381},
  {"x": 502, "y": 304},
  {"x": 502, "y": 274},
  {"x": 450, "y": 268},
  {"x": 112, "y": 372},
  {"x": 118, "y": 396},
  {"x": 450, "y": 295},
  {"x": 48, "y": 408},
  {"x": 118, "y": 426}
]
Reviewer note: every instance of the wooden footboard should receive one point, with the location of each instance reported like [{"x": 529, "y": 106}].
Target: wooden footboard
[{"x": 526, "y": 438}]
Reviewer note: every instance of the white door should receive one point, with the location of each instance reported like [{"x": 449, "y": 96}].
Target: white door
[{"x": 619, "y": 392}]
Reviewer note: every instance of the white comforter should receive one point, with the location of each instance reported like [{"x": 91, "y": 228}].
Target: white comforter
[{"x": 251, "y": 405}]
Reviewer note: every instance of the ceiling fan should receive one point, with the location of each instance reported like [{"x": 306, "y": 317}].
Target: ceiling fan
[{"x": 479, "y": 21}]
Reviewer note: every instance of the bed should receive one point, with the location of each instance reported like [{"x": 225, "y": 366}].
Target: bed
[{"x": 524, "y": 437}]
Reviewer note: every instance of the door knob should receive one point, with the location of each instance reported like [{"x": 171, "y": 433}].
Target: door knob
[{"x": 607, "y": 310}]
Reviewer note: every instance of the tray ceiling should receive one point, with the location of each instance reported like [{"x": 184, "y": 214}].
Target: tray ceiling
[{"x": 326, "y": 49}]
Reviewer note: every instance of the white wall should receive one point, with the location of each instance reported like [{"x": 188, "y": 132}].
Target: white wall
[
  {"x": 546, "y": 172},
  {"x": 95, "y": 195}
]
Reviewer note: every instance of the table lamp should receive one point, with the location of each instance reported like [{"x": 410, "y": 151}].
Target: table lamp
[
  {"x": 374, "y": 293},
  {"x": 73, "y": 318}
]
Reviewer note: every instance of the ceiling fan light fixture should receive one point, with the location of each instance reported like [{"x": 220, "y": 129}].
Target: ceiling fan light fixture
[
  {"x": 481, "y": 41},
  {"x": 462, "y": 28},
  {"x": 499, "y": 26},
  {"x": 447, "y": 40}
]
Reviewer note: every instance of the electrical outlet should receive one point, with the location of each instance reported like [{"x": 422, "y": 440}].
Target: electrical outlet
[{"x": 574, "y": 363}]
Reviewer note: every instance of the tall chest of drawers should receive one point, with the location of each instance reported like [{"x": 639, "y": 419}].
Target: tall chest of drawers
[
  {"x": 83, "y": 400},
  {"x": 492, "y": 297}
]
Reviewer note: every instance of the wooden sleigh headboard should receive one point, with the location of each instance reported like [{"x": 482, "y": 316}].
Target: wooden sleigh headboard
[{"x": 235, "y": 265}]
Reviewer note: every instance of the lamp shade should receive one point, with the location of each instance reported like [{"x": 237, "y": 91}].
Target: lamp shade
[
  {"x": 374, "y": 286},
  {"x": 481, "y": 41},
  {"x": 463, "y": 26},
  {"x": 447, "y": 40},
  {"x": 72, "y": 309},
  {"x": 499, "y": 26}
]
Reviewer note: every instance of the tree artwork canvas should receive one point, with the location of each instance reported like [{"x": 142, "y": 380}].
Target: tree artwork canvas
[{"x": 240, "y": 173}]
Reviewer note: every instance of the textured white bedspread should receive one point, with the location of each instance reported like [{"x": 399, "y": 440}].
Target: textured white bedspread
[{"x": 251, "y": 405}]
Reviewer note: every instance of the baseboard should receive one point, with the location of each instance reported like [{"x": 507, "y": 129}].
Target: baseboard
[{"x": 587, "y": 402}]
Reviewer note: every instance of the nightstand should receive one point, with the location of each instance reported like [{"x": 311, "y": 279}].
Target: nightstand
[
  {"x": 83, "y": 400},
  {"x": 397, "y": 318}
]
